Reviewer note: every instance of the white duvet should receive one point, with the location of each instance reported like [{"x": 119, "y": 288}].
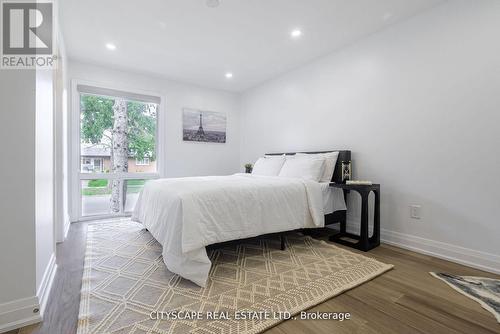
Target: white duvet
[{"x": 187, "y": 214}]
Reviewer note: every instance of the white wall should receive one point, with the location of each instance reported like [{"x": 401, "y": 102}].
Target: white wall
[
  {"x": 17, "y": 234},
  {"x": 27, "y": 221},
  {"x": 418, "y": 105},
  {"x": 61, "y": 122},
  {"x": 182, "y": 158},
  {"x": 26, "y": 226},
  {"x": 44, "y": 181}
]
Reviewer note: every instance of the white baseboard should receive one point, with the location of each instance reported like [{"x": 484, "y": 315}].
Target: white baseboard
[
  {"x": 19, "y": 313},
  {"x": 65, "y": 229},
  {"x": 46, "y": 283},
  {"x": 67, "y": 224},
  {"x": 27, "y": 311},
  {"x": 466, "y": 256}
]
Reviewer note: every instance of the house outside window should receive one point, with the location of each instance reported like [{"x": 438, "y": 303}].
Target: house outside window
[
  {"x": 91, "y": 164},
  {"x": 142, "y": 162}
]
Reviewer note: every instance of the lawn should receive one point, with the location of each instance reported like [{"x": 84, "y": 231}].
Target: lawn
[
  {"x": 100, "y": 187},
  {"x": 98, "y": 183},
  {"x": 136, "y": 182}
]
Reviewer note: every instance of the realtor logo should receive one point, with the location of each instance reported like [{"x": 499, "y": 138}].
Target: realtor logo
[{"x": 27, "y": 35}]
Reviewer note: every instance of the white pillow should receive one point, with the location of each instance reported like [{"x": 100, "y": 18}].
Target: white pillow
[
  {"x": 304, "y": 168},
  {"x": 330, "y": 162},
  {"x": 269, "y": 166}
]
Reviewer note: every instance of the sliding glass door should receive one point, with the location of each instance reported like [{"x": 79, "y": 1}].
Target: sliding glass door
[{"x": 117, "y": 149}]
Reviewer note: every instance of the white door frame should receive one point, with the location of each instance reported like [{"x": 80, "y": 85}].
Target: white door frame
[{"x": 75, "y": 174}]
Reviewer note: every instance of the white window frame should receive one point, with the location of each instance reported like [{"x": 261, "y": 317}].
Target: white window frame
[
  {"x": 74, "y": 166},
  {"x": 142, "y": 162}
]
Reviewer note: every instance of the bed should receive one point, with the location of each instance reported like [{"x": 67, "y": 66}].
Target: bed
[{"x": 185, "y": 215}]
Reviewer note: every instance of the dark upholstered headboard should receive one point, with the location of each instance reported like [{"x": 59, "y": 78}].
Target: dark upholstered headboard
[{"x": 344, "y": 155}]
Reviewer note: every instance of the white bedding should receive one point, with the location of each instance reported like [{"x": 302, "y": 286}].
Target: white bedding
[
  {"x": 333, "y": 198},
  {"x": 187, "y": 214}
]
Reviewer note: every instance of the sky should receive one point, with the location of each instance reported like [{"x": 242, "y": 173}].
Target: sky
[{"x": 212, "y": 121}]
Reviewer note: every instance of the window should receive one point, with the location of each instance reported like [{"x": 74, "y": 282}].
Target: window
[
  {"x": 142, "y": 162},
  {"x": 97, "y": 163},
  {"x": 118, "y": 136},
  {"x": 91, "y": 165}
]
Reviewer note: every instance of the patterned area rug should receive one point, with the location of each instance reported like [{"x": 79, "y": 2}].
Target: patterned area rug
[
  {"x": 125, "y": 283},
  {"x": 485, "y": 291}
]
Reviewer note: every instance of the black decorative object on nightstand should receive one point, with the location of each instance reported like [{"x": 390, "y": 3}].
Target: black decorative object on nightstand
[{"x": 364, "y": 243}]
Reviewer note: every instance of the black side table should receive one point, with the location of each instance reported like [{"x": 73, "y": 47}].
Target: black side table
[{"x": 364, "y": 242}]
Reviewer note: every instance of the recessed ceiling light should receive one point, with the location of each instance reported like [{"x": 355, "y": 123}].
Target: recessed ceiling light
[
  {"x": 110, "y": 46},
  {"x": 229, "y": 75},
  {"x": 213, "y": 3},
  {"x": 296, "y": 33}
]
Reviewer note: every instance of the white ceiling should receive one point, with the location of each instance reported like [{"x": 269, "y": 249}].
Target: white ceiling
[{"x": 187, "y": 41}]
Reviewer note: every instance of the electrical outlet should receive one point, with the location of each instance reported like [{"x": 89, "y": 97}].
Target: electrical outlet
[{"x": 416, "y": 211}]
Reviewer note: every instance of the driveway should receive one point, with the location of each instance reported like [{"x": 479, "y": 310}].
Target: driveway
[{"x": 99, "y": 204}]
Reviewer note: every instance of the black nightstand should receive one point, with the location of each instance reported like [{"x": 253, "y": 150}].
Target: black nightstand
[{"x": 364, "y": 243}]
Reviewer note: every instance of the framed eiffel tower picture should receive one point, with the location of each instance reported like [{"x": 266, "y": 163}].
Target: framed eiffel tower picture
[{"x": 203, "y": 126}]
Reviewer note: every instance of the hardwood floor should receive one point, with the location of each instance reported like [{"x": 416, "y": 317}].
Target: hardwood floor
[{"x": 404, "y": 300}]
